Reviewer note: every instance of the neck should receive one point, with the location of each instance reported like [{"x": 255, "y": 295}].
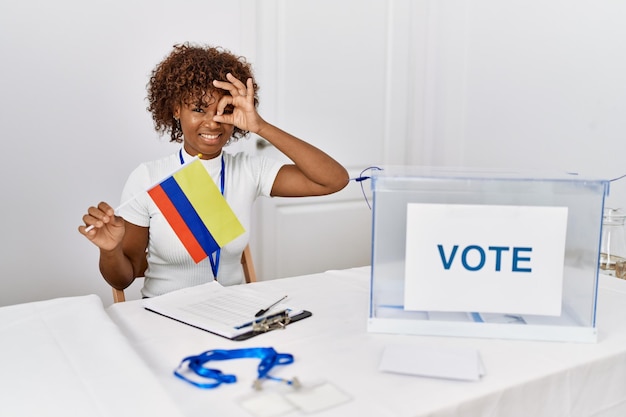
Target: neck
[{"x": 205, "y": 157}]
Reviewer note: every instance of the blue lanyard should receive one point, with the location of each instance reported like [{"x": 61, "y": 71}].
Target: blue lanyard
[
  {"x": 215, "y": 263},
  {"x": 269, "y": 358}
]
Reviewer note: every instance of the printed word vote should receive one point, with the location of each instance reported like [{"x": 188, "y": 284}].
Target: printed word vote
[{"x": 475, "y": 257}]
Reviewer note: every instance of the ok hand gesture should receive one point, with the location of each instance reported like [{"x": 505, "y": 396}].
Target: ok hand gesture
[{"x": 241, "y": 98}]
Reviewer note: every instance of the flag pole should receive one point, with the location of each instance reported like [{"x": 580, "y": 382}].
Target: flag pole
[{"x": 118, "y": 208}]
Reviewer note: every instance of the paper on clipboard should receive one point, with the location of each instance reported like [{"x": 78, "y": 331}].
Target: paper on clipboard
[{"x": 225, "y": 311}]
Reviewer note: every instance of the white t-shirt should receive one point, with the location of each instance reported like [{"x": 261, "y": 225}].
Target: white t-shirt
[{"x": 170, "y": 267}]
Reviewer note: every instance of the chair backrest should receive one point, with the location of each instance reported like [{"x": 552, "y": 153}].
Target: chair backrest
[{"x": 246, "y": 263}]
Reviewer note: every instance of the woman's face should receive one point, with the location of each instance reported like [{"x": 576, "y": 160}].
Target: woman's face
[{"x": 203, "y": 135}]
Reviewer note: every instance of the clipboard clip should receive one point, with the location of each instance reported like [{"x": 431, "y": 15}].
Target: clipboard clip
[{"x": 273, "y": 322}]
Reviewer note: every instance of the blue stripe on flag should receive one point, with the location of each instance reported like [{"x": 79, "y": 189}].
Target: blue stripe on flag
[{"x": 189, "y": 215}]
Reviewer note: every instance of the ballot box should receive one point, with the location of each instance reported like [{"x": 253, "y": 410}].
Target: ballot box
[{"x": 485, "y": 253}]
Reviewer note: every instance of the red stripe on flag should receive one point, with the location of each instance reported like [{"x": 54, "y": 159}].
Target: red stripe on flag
[{"x": 177, "y": 223}]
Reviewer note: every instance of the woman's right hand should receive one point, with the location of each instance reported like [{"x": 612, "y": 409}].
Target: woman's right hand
[{"x": 103, "y": 227}]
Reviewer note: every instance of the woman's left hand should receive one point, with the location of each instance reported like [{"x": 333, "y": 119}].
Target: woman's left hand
[{"x": 241, "y": 98}]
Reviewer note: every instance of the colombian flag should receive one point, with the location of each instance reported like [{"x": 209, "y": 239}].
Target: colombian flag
[{"x": 196, "y": 210}]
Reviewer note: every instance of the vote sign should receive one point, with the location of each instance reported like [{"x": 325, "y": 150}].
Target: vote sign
[{"x": 485, "y": 258}]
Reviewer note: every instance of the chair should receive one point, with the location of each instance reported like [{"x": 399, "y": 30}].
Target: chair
[{"x": 246, "y": 263}]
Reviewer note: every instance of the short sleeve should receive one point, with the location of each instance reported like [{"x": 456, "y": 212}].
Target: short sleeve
[{"x": 135, "y": 202}]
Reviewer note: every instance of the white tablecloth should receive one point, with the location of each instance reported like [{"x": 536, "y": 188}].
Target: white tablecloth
[
  {"x": 65, "y": 357},
  {"x": 524, "y": 378}
]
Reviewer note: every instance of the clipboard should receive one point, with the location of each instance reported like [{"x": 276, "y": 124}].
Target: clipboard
[
  {"x": 279, "y": 321},
  {"x": 226, "y": 311}
]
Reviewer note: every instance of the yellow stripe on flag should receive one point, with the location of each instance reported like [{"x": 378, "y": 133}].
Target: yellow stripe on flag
[{"x": 209, "y": 202}]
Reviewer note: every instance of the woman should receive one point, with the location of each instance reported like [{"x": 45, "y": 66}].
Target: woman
[{"x": 205, "y": 97}]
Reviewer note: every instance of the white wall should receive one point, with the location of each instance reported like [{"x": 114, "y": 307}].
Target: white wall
[
  {"x": 72, "y": 110},
  {"x": 323, "y": 78},
  {"x": 536, "y": 85},
  {"x": 480, "y": 83}
]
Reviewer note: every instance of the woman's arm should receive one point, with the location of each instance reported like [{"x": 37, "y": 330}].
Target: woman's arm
[
  {"x": 122, "y": 245},
  {"x": 313, "y": 172},
  {"x": 121, "y": 265}
]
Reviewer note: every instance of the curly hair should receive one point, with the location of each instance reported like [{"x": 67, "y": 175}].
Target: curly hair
[{"x": 186, "y": 76}]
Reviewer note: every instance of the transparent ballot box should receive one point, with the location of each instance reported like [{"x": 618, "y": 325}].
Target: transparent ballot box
[{"x": 483, "y": 253}]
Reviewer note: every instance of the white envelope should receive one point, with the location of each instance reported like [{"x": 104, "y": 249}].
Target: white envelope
[{"x": 434, "y": 361}]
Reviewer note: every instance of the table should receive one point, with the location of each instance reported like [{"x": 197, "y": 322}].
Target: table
[
  {"x": 523, "y": 378},
  {"x": 65, "y": 357}
]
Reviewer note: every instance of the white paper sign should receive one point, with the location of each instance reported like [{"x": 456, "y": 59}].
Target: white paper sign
[{"x": 483, "y": 258}]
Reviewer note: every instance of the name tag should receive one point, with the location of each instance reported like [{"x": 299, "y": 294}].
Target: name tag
[{"x": 484, "y": 258}]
